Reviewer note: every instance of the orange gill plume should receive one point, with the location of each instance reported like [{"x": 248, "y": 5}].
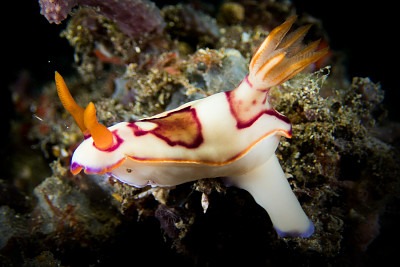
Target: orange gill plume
[
  {"x": 281, "y": 55},
  {"x": 85, "y": 118}
]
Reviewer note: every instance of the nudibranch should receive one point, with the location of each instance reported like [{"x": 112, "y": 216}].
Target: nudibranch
[{"x": 230, "y": 134}]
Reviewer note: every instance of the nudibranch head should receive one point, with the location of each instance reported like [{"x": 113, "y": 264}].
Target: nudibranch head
[{"x": 230, "y": 134}]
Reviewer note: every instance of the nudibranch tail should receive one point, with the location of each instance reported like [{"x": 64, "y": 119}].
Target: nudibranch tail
[
  {"x": 69, "y": 103},
  {"x": 281, "y": 56},
  {"x": 271, "y": 190},
  {"x": 102, "y": 137}
]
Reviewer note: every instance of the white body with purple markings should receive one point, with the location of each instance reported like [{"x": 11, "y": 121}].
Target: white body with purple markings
[{"x": 231, "y": 134}]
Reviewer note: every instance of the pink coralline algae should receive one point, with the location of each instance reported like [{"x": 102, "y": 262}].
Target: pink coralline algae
[{"x": 134, "y": 17}]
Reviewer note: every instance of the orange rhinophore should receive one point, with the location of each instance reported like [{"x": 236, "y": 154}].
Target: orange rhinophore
[
  {"x": 69, "y": 103},
  {"x": 102, "y": 137}
]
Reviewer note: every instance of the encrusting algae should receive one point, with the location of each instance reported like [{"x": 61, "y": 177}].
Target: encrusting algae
[{"x": 340, "y": 163}]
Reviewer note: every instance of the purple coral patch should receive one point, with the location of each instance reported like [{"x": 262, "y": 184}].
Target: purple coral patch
[
  {"x": 56, "y": 11},
  {"x": 134, "y": 17},
  {"x": 168, "y": 218}
]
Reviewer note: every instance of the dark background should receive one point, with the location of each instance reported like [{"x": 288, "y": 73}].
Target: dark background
[{"x": 366, "y": 32}]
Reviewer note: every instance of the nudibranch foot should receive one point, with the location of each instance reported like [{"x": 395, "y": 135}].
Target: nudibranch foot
[{"x": 270, "y": 189}]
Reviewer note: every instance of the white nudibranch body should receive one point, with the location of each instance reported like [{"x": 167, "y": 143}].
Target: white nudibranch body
[{"x": 230, "y": 134}]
